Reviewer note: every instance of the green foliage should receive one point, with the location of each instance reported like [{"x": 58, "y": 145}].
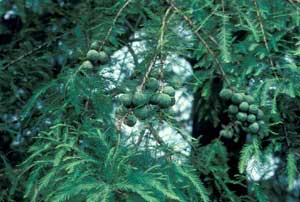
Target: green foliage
[
  {"x": 291, "y": 170},
  {"x": 225, "y": 37},
  {"x": 63, "y": 140},
  {"x": 261, "y": 196},
  {"x": 249, "y": 150},
  {"x": 9, "y": 181},
  {"x": 71, "y": 164}
]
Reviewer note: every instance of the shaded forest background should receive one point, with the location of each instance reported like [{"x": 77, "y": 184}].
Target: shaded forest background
[{"x": 68, "y": 133}]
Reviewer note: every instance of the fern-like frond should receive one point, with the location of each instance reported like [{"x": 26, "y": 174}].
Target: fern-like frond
[
  {"x": 245, "y": 156},
  {"x": 291, "y": 170},
  {"x": 194, "y": 179},
  {"x": 225, "y": 38},
  {"x": 260, "y": 195}
]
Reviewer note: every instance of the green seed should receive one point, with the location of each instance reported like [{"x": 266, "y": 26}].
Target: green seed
[
  {"x": 121, "y": 110},
  {"x": 253, "y": 109},
  {"x": 152, "y": 84},
  {"x": 244, "y": 106},
  {"x": 237, "y": 98},
  {"x": 261, "y": 123},
  {"x": 164, "y": 100},
  {"x": 142, "y": 112},
  {"x": 241, "y": 116},
  {"x": 87, "y": 65},
  {"x": 92, "y": 55},
  {"x": 103, "y": 57},
  {"x": 126, "y": 99},
  {"x": 254, "y": 127},
  {"x": 251, "y": 118},
  {"x": 169, "y": 90},
  {"x": 226, "y": 94},
  {"x": 226, "y": 133},
  {"x": 233, "y": 109},
  {"x": 130, "y": 120},
  {"x": 249, "y": 99},
  {"x": 140, "y": 99},
  {"x": 260, "y": 114}
]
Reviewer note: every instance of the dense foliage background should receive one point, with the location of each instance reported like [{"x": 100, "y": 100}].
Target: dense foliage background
[{"x": 64, "y": 136}]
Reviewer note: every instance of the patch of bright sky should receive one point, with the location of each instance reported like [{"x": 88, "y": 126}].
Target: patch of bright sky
[{"x": 257, "y": 170}]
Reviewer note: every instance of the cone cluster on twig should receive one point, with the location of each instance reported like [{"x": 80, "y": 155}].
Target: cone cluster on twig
[
  {"x": 144, "y": 104},
  {"x": 94, "y": 57},
  {"x": 243, "y": 112}
]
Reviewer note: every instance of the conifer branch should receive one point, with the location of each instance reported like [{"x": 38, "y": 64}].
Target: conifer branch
[
  {"x": 225, "y": 36},
  {"x": 45, "y": 44},
  {"x": 149, "y": 69},
  {"x": 113, "y": 24},
  {"x": 121, "y": 121},
  {"x": 202, "y": 40},
  {"x": 263, "y": 33},
  {"x": 158, "y": 49},
  {"x": 158, "y": 139},
  {"x": 161, "y": 142},
  {"x": 134, "y": 56},
  {"x": 39, "y": 47}
]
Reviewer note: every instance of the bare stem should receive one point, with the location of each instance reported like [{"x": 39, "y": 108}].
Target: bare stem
[
  {"x": 210, "y": 51},
  {"x": 263, "y": 33},
  {"x": 113, "y": 24},
  {"x": 31, "y": 52},
  {"x": 158, "y": 48},
  {"x": 286, "y": 136},
  {"x": 149, "y": 69}
]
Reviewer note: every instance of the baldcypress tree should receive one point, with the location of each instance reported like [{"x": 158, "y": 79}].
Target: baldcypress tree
[{"x": 81, "y": 123}]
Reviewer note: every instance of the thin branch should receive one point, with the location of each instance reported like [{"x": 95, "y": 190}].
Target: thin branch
[
  {"x": 152, "y": 62},
  {"x": 45, "y": 44},
  {"x": 211, "y": 52},
  {"x": 261, "y": 25},
  {"x": 158, "y": 49},
  {"x": 128, "y": 44},
  {"x": 162, "y": 143},
  {"x": 169, "y": 151},
  {"x": 113, "y": 24},
  {"x": 263, "y": 33},
  {"x": 158, "y": 139},
  {"x": 286, "y": 136},
  {"x": 292, "y": 1},
  {"x": 223, "y": 7},
  {"x": 140, "y": 139},
  {"x": 163, "y": 27},
  {"x": 149, "y": 69},
  {"x": 134, "y": 56},
  {"x": 121, "y": 121},
  {"x": 31, "y": 52},
  {"x": 211, "y": 38},
  {"x": 129, "y": 26},
  {"x": 137, "y": 23}
]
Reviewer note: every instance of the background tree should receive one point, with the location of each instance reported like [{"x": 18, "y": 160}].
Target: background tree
[{"x": 65, "y": 116}]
